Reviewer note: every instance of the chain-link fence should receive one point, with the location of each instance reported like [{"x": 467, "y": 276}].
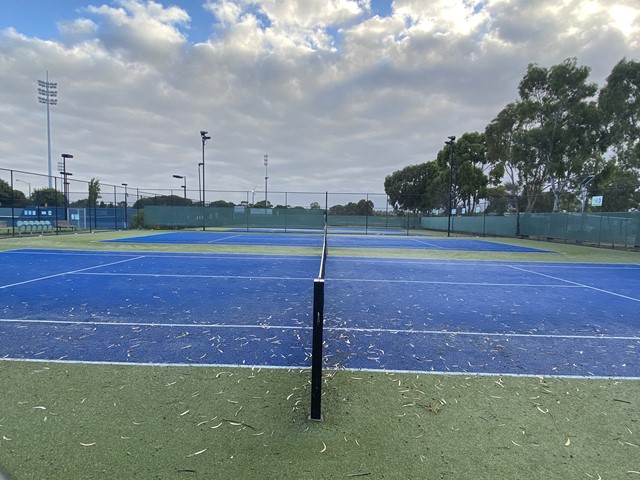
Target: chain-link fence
[{"x": 33, "y": 203}]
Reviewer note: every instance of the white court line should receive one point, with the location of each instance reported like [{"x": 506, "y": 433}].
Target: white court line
[
  {"x": 437, "y": 247},
  {"x": 71, "y": 272},
  {"x": 223, "y": 238},
  {"x": 358, "y": 280},
  {"x": 439, "y": 282},
  {"x": 576, "y": 284},
  {"x": 173, "y": 275},
  {"x": 326, "y": 329},
  {"x": 307, "y": 369},
  {"x": 200, "y": 256}
]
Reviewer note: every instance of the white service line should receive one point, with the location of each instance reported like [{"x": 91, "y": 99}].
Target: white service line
[
  {"x": 71, "y": 272},
  {"x": 175, "y": 275},
  {"x": 217, "y": 240},
  {"x": 437, "y": 247},
  {"x": 608, "y": 292}
]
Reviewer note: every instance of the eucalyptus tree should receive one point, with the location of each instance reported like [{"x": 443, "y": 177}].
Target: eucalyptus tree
[
  {"x": 551, "y": 136},
  {"x": 619, "y": 105},
  {"x": 416, "y": 188}
]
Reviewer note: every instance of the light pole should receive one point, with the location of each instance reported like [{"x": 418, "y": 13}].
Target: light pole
[
  {"x": 266, "y": 178},
  {"x": 199, "y": 183},
  {"x": 450, "y": 142},
  {"x": 184, "y": 185},
  {"x": 47, "y": 94},
  {"x": 65, "y": 174},
  {"x": 26, "y": 183},
  {"x": 126, "y": 223},
  {"x": 583, "y": 193},
  {"x": 204, "y": 137}
]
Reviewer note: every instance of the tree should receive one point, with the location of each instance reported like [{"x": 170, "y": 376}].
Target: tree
[
  {"x": 620, "y": 189},
  {"x": 11, "y": 197},
  {"x": 315, "y": 206},
  {"x": 551, "y": 136},
  {"x": 362, "y": 208},
  {"x": 619, "y": 106},
  {"x": 261, "y": 204},
  {"x": 94, "y": 192},
  {"x": 161, "y": 200},
  {"x": 469, "y": 166},
  {"x": 49, "y": 197},
  {"x": 222, "y": 203},
  {"x": 417, "y": 188},
  {"x": 498, "y": 201}
]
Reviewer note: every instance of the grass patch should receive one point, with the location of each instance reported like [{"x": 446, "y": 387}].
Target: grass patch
[{"x": 62, "y": 421}]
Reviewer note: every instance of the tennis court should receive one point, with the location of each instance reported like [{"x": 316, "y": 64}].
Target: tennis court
[
  {"x": 380, "y": 314},
  {"x": 314, "y": 239}
]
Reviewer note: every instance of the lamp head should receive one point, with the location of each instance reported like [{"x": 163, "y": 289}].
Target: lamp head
[{"x": 452, "y": 138}]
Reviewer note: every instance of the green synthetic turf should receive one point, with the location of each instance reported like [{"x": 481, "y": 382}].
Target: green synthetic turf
[
  {"x": 81, "y": 421},
  {"x": 75, "y": 421}
]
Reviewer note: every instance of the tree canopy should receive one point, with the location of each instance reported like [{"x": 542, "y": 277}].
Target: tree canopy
[{"x": 559, "y": 135}]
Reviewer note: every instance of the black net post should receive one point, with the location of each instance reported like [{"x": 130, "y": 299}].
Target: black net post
[{"x": 316, "y": 350}]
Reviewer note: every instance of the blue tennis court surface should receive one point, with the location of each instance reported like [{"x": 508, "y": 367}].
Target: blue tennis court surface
[
  {"x": 336, "y": 241},
  {"x": 380, "y": 314}
]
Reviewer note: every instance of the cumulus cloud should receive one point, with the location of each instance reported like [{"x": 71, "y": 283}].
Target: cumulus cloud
[{"x": 338, "y": 95}]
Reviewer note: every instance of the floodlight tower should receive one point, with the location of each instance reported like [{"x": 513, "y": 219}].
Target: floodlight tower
[
  {"x": 266, "y": 177},
  {"x": 48, "y": 94},
  {"x": 184, "y": 185},
  {"x": 204, "y": 137}
]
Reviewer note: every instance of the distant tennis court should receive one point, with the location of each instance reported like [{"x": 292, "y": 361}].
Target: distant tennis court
[{"x": 314, "y": 239}]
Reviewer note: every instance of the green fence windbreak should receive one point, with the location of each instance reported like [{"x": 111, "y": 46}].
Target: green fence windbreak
[
  {"x": 614, "y": 229},
  {"x": 610, "y": 229}
]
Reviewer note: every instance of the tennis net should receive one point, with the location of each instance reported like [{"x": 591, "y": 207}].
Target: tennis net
[{"x": 318, "y": 327}]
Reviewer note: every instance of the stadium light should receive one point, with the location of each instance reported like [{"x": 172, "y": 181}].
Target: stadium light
[
  {"x": 26, "y": 183},
  {"x": 450, "y": 142},
  {"x": 184, "y": 184},
  {"x": 47, "y": 94},
  {"x": 266, "y": 178},
  {"x": 204, "y": 137}
]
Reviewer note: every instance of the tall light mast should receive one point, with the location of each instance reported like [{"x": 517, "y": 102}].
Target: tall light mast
[{"x": 48, "y": 95}]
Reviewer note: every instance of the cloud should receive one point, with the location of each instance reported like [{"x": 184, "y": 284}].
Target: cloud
[{"x": 338, "y": 96}]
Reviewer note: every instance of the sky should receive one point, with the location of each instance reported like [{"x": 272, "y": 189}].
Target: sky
[{"x": 338, "y": 93}]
